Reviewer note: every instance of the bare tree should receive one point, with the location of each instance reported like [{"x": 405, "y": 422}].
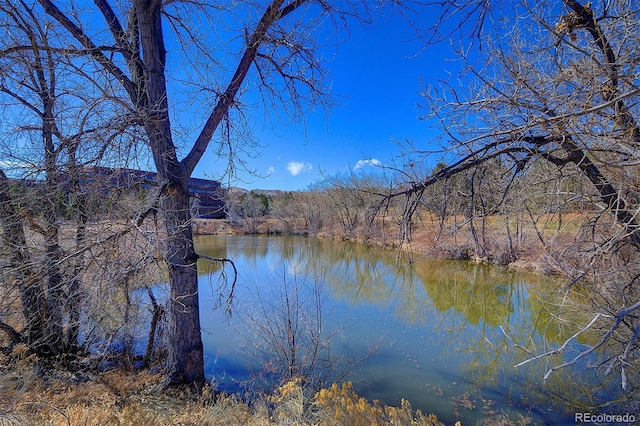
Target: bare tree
[
  {"x": 285, "y": 208},
  {"x": 131, "y": 45},
  {"x": 553, "y": 82},
  {"x": 52, "y": 131},
  {"x": 254, "y": 206}
]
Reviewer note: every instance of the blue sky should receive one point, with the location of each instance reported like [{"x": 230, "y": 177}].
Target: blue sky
[{"x": 376, "y": 75}]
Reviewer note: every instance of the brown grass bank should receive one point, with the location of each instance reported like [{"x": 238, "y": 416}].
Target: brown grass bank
[{"x": 28, "y": 396}]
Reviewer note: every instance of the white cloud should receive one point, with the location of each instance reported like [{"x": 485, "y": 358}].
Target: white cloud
[
  {"x": 361, "y": 163},
  {"x": 271, "y": 170},
  {"x": 17, "y": 169},
  {"x": 14, "y": 164},
  {"x": 297, "y": 167}
]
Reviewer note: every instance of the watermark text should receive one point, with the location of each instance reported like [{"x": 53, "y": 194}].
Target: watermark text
[{"x": 604, "y": 418}]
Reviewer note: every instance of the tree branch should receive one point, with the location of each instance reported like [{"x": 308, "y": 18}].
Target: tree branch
[
  {"x": 116, "y": 29},
  {"x": 153, "y": 205},
  {"x": 619, "y": 317},
  {"x": 229, "y": 299},
  {"x": 583, "y": 17},
  {"x": 226, "y": 100},
  {"x": 52, "y": 10},
  {"x": 477, "y": 157},
  {"x": 14, "y": 336}
]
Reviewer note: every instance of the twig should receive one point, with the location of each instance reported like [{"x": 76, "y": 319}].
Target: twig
[
  {"x": 235, "y": 278},
  {"x": 564, "y": 345},
  {"x": 618, "y": 319},
  {"x": 153, "y": 205}
]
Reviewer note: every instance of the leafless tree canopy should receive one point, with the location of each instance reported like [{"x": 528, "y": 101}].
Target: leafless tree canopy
[
  {"x": 143, "y": 84},
  {"x": 547, "y": 114}
]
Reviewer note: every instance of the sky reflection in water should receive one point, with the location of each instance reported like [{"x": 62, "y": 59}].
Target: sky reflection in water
[{"x": 435, "y": 325}]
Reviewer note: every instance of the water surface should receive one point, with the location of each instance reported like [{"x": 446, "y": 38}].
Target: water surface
[{"x": 444, "y": 335}]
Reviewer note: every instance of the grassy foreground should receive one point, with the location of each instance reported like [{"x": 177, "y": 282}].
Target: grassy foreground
[{"x": 29, "y": 396}]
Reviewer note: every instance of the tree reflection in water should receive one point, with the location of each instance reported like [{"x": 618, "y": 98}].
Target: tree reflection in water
[{"x": 452, "y": 331}]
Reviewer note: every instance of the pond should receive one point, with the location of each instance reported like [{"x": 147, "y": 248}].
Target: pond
[{"x": 445, "y": 335}]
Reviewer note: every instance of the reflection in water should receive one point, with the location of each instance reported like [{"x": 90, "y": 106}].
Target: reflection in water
[{"x": 441, "y": 324}]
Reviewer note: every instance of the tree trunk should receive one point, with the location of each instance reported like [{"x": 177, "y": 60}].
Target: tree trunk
[
  {"x": 74, "y": 299},
  {"x": 32, "y": 300},
  {"x": 53, "y": 339},
  {"x": 186, "y": 357}
]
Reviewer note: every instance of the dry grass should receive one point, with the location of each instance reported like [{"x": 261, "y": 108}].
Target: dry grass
[{"x": 30, "y": 397}]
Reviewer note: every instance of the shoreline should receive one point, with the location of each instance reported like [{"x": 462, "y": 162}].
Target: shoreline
[{"x": 419, "y": 248}]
